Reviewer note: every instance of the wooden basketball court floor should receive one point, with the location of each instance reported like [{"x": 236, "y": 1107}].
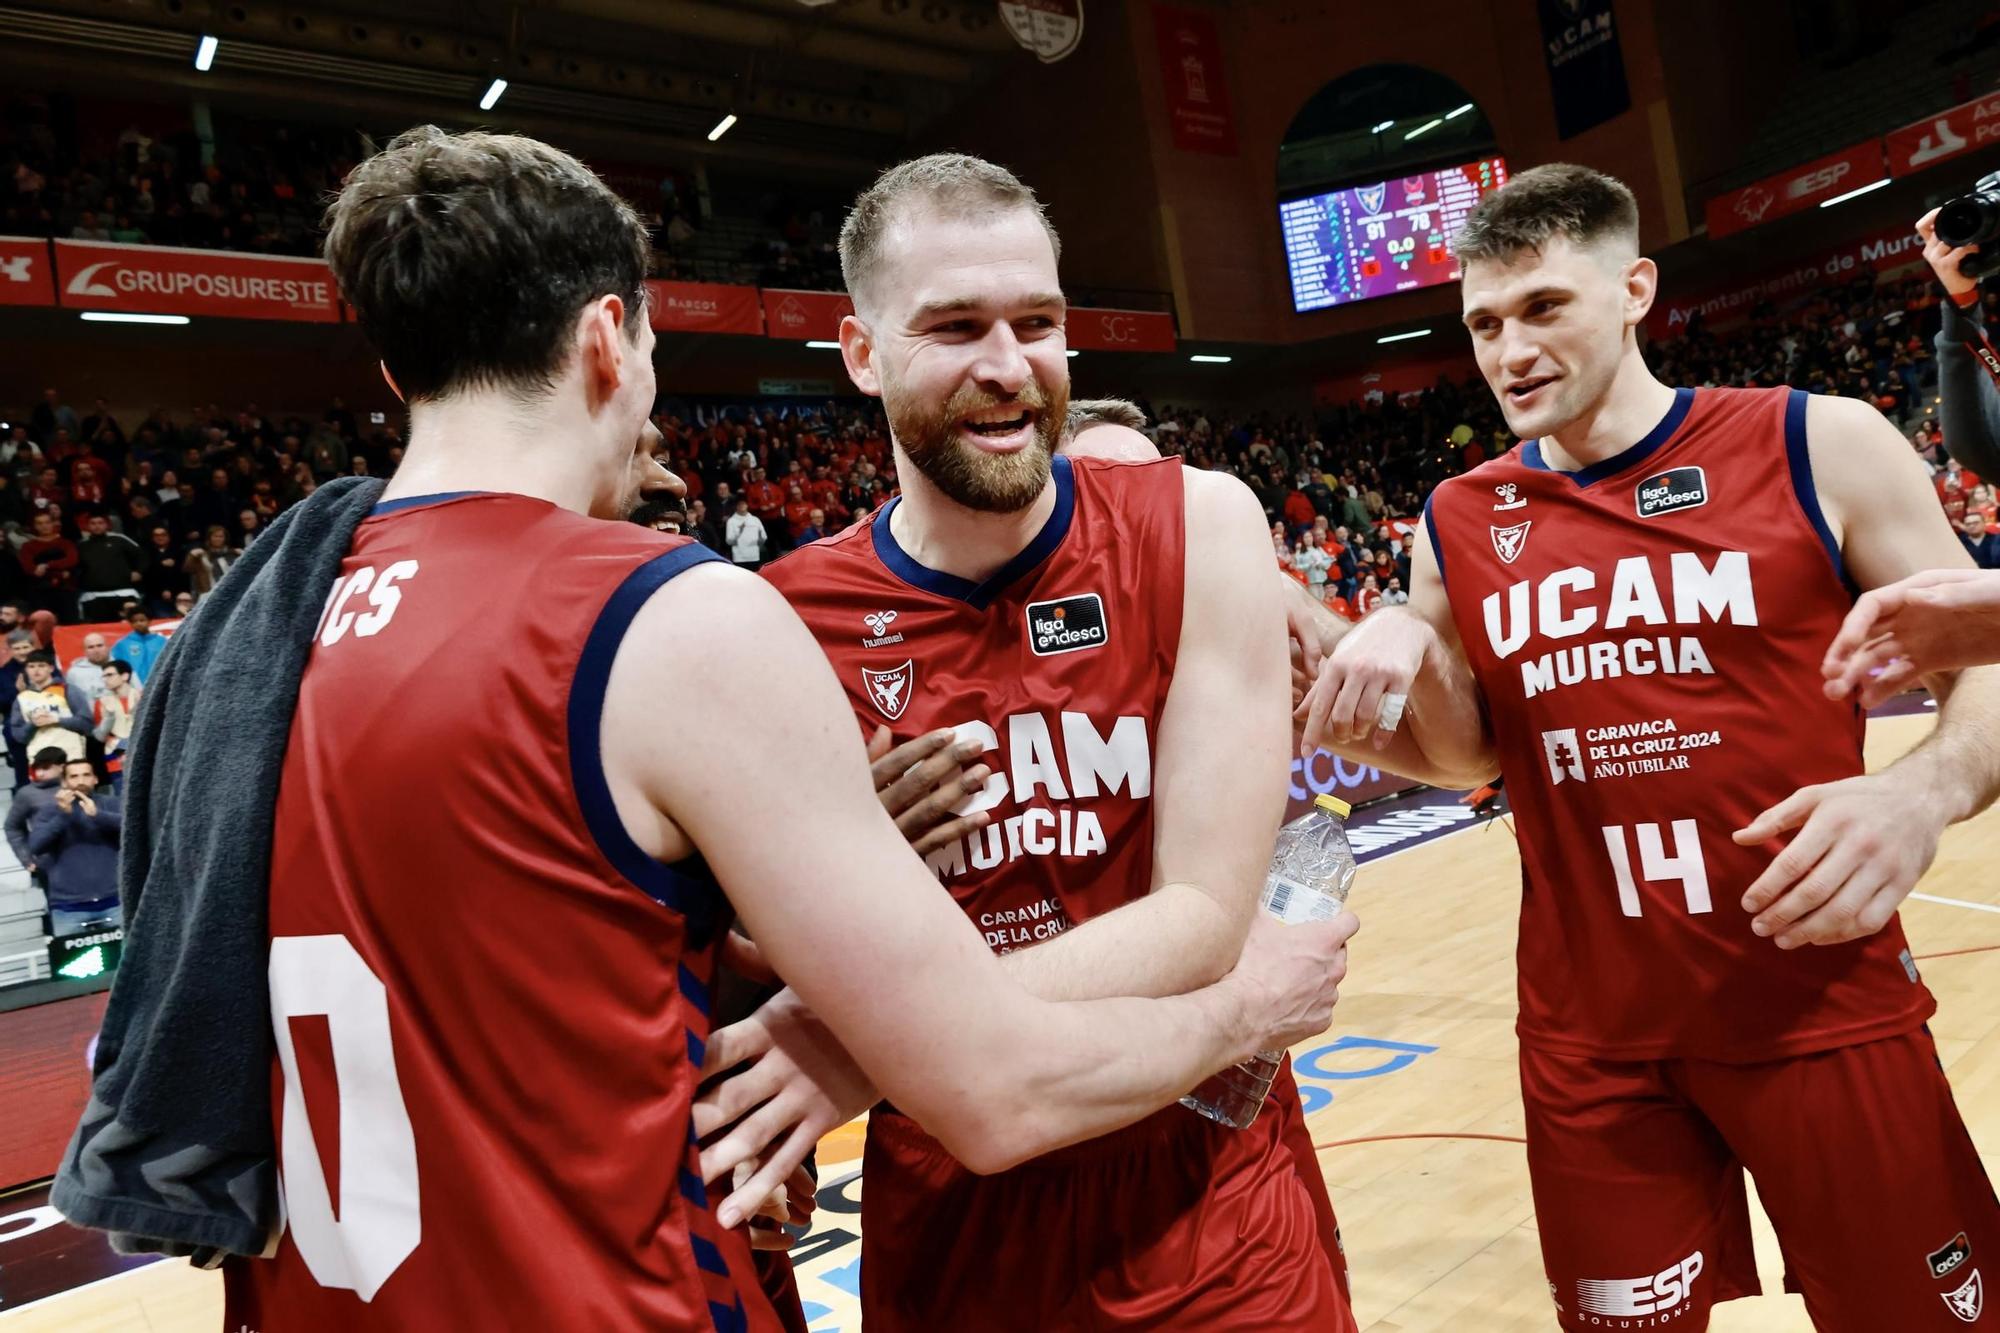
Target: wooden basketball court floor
[{"x": 1423, "y": 1157}]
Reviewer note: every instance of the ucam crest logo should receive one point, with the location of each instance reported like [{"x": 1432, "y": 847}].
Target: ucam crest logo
[
  {"x": 1508, "y": 543},
  {"x": 889, "y": 690},
  {"x": 1968, "y": 1300},
  {"x": 1372, "y": 197}
]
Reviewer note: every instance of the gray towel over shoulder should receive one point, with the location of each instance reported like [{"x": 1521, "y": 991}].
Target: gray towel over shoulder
[{"x": 174, "y": 1153}]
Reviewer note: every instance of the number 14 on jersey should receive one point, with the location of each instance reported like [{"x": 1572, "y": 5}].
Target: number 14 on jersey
[{"x": 1656, "y": 865}]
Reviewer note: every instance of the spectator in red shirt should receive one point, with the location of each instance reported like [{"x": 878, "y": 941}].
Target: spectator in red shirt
[
  {"x": 47, "y": 490},
  {"x": 50, "y": 560},
  {"x": 798, "y": 513},
  {"x": 767, "y": 502},
  {"x": 1299, "y": 512}
]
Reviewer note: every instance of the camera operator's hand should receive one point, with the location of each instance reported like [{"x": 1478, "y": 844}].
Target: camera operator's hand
[{"x": 1944, "y": 260}]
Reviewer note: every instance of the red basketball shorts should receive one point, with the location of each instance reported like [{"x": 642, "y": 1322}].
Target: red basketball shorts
[
  {"x": 1883, "y": 1211},
  {"x": 1170, "y": 1224}
]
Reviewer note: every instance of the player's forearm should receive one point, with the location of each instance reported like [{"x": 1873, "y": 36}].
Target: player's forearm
[
  {"x": 1959, "y": 763},
  {"x": 1097, "y": 1065},
  {"x": 1174, "y": 940}
]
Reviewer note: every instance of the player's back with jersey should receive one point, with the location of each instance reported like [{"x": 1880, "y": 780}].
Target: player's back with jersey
[
  {"x": 489, "y": 1003},
  {"x": 1647, "y": 633}
]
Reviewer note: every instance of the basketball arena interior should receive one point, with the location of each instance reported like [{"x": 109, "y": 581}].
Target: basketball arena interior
[{"x": 1255, "y": 211}]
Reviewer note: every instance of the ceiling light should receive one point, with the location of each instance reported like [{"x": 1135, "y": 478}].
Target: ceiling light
[
  {"x": 204, "y": 54},
  {"x": 492, "y": 95},
  {"x": 823, "y": 345},
  {"x": 722, "y": 127},
  {"x": 1403, "y": 337},
  {"x": 1424, "y": 128},
  {"x": 120, "y": 317},
  {"x": 1456, "y": 112},
  {"x": 1843, "y": 198},
  {"x": 1208, "y": 360}
]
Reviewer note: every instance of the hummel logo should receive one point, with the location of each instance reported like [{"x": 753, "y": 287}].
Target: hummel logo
[{"x": 879, "y": 621}]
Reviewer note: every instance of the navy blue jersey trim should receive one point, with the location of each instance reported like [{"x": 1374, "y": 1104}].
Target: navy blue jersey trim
[
  {"x": 693, "y": 896},
  {"x": 981, "y": 595},
  {"x": 418, "y": 501},
  {"x": 1802, "y": 484},
  {"x": 1655, "y": 439},
  {"x": 1431, "y": 527},
  {"x": 695, "y": 989}
]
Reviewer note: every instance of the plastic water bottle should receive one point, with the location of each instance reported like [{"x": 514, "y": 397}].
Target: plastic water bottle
[{"x": 1311, "y": 872}]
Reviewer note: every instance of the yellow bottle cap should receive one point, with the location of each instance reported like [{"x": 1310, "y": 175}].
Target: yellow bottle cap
[{"x": 1334, "y": 805}]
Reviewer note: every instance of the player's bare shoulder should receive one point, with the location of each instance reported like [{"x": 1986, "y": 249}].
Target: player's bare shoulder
[{"x": 1218, "y": 504}]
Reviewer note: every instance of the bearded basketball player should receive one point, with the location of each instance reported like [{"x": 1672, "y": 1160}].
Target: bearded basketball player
[
  {"x": 493, "y": 934},
  {"x": 1109, "y": 632},
  {"x": 1712, "y": 973}
]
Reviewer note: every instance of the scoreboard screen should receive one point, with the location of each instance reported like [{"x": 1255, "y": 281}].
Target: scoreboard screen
[{"x": 1377, "y": 240}]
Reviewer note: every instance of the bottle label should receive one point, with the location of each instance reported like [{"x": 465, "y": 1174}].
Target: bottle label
[{"x": 1293, "y": 902}]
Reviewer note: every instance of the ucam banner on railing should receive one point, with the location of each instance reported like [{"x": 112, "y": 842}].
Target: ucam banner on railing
[
  {"x": 25, "y": 278},
  {"x": 158, "y": 280}
]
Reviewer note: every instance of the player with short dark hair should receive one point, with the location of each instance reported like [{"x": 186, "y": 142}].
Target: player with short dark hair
[
  {"x": 1626, "y": 616},
  {"x": 493, "y": 936}
]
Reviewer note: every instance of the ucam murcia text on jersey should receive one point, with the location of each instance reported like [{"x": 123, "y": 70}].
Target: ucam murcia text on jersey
[
  {"x": 1088, "y": 765},
  {"x": 1557, "y": 606}
]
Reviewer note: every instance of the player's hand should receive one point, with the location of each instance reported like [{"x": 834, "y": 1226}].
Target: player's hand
[
  {"x": 1292, "y": 976},
  {"x": 1939, "y": 620},
  {"x": 1944, "y": 260},
  {"x": 802, "y": 1084},
  {"x": 920, "y": 782},
  {"x": 1862, "y": 845},
  {"x": 789, "y": 1205},
  {"x": 1376, "y": 661},
  {"x": 1313, "y": 630}
]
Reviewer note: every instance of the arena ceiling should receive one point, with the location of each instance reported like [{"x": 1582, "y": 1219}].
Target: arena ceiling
[{"x": 828, "y": 88}]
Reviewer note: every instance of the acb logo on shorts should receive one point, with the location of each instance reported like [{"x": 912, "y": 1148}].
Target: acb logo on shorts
[
  {"x": 1670, "y": 492},
  {"x": 1067, "y": 625}
]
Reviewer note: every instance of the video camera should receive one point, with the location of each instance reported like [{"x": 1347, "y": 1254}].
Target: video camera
[{"x": 1974, "y": 219}]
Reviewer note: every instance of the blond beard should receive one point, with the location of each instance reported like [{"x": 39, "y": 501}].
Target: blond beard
[{"x": 964, "y": 474}]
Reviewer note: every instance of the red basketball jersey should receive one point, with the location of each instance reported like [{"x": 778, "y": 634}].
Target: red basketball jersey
[
  {"x": 1647, "y": 633},
  {"x": 1059, "y": 664},
  {"x": 489, "y": 1003}
]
